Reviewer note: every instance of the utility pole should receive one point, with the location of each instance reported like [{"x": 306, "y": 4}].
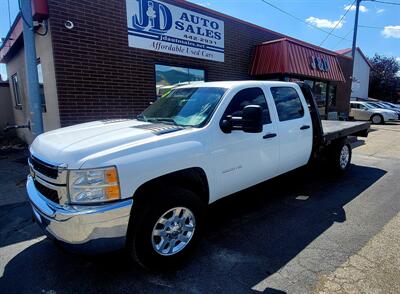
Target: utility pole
[
  {"x": 35, "y": 103},
  {"x": 353, "y": 49}
]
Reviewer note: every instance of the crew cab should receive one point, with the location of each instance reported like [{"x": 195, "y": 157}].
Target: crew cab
[{"x": 145, "y": 183}]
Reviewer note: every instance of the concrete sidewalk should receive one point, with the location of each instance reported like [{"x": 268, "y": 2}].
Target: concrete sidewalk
[
  {"x": 376, "y": 267},
  {"x": 373, "y": 269}
]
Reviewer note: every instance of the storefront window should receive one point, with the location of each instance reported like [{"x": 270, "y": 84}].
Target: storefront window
[
  {"x": 332, "y": 95},
  {"x": 169, "y": 77},
  {"x": 320, "y": 92},
  {"x": 310, "y": 83}
]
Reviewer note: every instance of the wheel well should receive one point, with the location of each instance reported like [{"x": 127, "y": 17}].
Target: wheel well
[
  {"x": 193, "y": 179},
  {"x": 378, "y": 114}
]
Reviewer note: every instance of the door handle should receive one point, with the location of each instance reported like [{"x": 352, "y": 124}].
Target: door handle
[
  {"x": 269, "y": 135},
  {"x": 305, "y": 127}
]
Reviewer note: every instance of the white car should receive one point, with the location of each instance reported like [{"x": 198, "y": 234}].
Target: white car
[{"x": 361, "y": 110}]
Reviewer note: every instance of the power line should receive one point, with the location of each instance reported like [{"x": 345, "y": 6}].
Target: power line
[
  {"x": 337, "y": 24},
  {"x": 340, "y": 41},
  {"x": 299, "y": 19},
  {"x": 384, "y": 2}
]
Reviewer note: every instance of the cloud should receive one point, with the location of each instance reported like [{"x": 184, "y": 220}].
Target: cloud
[
  {"x": 398, "y": 59},
  {"x": 391, "y": 32},
  {"x": 324, "y": 23},
  {"x": 353, "y": 7},
  {"x": 381, "y": 10}
]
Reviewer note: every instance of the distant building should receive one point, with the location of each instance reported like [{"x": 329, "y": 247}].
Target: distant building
[{"x": 362, "y": 66}]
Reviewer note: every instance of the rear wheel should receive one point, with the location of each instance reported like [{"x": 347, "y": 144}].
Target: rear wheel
[
  {"x": 377, "y": 119},
  {"x": 340, "y": 156},
  {"x": 165, "y": 228}
]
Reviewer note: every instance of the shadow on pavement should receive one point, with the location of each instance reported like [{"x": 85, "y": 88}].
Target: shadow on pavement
[{"x": 249, "y": 237}]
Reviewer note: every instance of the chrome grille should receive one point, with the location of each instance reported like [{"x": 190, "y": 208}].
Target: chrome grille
[
  {"x": 50, "y": 180},
  {"x": 47, "y": 192},
  {"x": 43, "y": 168}
]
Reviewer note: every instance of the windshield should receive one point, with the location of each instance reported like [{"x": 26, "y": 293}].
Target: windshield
[{"x": 184, "y": 106}]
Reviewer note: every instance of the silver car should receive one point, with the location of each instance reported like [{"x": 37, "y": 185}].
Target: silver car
[{"x": 361, "y": 110}]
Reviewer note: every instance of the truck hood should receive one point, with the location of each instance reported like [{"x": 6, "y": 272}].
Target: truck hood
[{"x": 71, "y": 145}]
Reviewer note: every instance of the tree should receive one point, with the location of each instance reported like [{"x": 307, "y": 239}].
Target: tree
[{"x": 384, "y": 80}]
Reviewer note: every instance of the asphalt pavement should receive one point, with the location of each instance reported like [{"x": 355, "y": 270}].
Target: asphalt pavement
[{"x": 307, "y": 231}]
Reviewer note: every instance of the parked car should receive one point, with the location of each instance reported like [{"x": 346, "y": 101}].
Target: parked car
[
  {"x": 144, "y": 183},
  {"x": 390, "y": 105},
  {"x": 360, "y": 110},
  {"x": 382, "y": 105},
  {"x": 393, "y": 104}
]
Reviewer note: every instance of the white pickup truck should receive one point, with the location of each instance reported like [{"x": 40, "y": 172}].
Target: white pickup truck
[{"x": 144, "y": 183}]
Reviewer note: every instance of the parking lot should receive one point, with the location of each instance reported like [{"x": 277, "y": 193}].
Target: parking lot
[{"x": 307, "y": 231}]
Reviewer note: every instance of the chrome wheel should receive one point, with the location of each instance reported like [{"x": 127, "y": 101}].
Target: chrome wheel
[
  {"x": 173, "y": 231},
  {"x": 344, "y": 156}
]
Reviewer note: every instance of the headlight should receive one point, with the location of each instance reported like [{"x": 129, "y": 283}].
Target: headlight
[{"x": 93, "y": 185}]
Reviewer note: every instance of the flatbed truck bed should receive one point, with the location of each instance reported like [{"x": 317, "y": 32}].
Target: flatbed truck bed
[{"x": 335, "y": 129}]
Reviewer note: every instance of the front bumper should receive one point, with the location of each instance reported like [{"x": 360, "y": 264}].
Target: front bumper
[{"x": 89, "y": 229}]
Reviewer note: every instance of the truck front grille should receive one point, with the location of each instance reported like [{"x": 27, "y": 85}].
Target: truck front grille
[
  {"x": 50, "y": 194},
  {"x": 43, "y": 168}
]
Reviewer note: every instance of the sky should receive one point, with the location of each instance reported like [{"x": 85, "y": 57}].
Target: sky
[{"x": 312, "y": 17}]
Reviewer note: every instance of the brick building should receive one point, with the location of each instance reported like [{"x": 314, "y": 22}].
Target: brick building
[{"x": 110, "y": 59}]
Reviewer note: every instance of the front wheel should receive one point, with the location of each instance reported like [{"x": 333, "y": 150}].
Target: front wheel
[
  {"x": 377, "y": 119},
  {"x": 340, "y": 156},
  {"x": 165, "y": 229}
]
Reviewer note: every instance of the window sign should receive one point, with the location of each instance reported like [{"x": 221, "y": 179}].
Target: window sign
[
  {"x": 158, "y": 26},
  {"x": 169, "y": 77}
]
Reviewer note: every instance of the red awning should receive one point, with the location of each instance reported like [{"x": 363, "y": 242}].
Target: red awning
[{"x": 287, "y": 56}]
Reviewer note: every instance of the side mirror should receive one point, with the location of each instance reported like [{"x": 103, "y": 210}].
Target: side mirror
[
  {"x": 252, "y": 119},
  {"x": 250, "y": 122}
]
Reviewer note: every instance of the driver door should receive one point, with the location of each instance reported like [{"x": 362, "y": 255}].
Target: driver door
[{"x": 245, "y": 159}]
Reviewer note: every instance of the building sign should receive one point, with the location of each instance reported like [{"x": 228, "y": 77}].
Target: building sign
[
  {"x": 319, "y": 63},
  {"x": 158, "y": 26}
]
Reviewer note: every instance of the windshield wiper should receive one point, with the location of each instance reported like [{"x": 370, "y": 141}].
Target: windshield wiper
[
  {"x": 162, "y": 119},
  {"x": 141, "y": 117}
]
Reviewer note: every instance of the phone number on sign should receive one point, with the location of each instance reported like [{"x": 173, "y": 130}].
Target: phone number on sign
[{"x": 200, "y": 39}]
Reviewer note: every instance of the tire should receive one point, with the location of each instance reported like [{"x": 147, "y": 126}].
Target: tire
[
  {"x": 377, "y": 119},
  {"x": 340, "y": 156},
  {"x": 146, "y": 234}
]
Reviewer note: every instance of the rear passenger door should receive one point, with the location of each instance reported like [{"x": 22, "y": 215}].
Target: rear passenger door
[
  {"x": 294, "y": 128},
  {"x": 356, "y": 112}
]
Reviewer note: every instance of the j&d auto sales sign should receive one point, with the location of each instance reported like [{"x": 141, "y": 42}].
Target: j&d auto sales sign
[{"x": 162, "y": 27}]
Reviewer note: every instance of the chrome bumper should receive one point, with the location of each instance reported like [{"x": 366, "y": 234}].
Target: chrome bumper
[{"x": 84, "y": 228}]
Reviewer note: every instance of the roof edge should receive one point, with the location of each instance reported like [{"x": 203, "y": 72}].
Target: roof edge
[
  {"x": 301, "y": 43},
  {"x": 10, "y": 31},
  {"x": 343, "y": 52}
]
